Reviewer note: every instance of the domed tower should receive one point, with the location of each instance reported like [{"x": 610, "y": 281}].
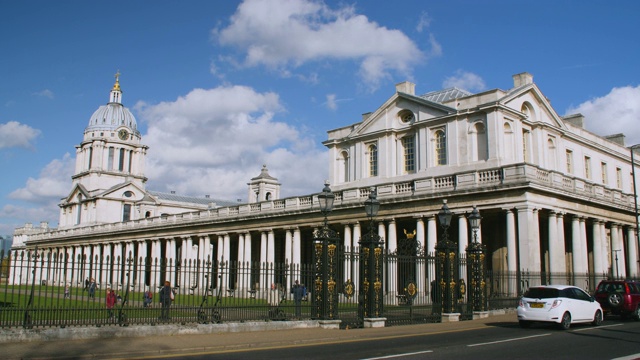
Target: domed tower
[
  {"x": 264, "y": 187},
  {"x": 109, "y": 159}
]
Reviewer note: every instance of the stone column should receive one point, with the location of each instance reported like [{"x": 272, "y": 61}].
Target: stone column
[
  {"x": 117, "y": 266},
  {"x": 512, "y": 262},
  {"x": 172, "y": 260},
  {"x": 562, "y": 250},
  {"x": 348, "y": 251},
  {"x": 421, "y": 267},
  {"x": 430, "y": 250},
  {"x": 598, "y": 267},
  {"x": 632, "y": 246},
  {"x": 529, "y": 240},
  {"x": 154, "y": 260},
  {"x": 463, "y": 242},
  {"x": 246, "y": 262},
  {"x": 553, "y": 247},
  {"x": 288, "y": 246},
  {"x": 357, "y": 236},
  {"x": 226, "y": 248},
  {"x": 393, "y": 237},
  {"x": 265, "y": 279}
]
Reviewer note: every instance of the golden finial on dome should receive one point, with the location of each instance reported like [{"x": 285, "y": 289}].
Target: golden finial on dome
[{"x": 116, "y": 86}]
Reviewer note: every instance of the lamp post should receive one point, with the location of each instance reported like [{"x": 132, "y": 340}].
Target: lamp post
[
  {"x": 635, "y": 201},
  {"x": 325, "y": 297},
  {"x": 371, "y": 264},
  {"x": 475, "y": 265},
  {"x": 446, "y": 262}
]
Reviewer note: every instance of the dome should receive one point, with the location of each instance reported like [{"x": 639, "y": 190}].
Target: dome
[{"x": 114, "y": 114}]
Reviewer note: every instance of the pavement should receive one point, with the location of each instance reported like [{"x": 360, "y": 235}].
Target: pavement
[{"x": 164, "y": 340}]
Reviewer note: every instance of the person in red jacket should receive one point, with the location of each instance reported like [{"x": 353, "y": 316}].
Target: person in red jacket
[{"x": 111, "y": 302}]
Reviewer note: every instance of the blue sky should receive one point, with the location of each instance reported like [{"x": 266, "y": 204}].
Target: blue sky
[{"x": 221, "y": 87}]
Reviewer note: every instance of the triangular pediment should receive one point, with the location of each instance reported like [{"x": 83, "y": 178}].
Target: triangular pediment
[
  {"x": 78, "y": 189},
  {"x": 127, "y": 190},
  {"x": 529, "y": 97},
  {"x": 388, "y": 116}
]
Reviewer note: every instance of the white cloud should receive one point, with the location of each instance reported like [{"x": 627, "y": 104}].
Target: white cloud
[
  {"x": 14, "y": 134},
  {"x": 213, "y": 141},
  {"x": 45, "y": 93},
  {"x": 299, "y": 31},
  {"x": 331, "y": 101},
  {"x": 616, "y": 112},
  {"x": 465, "y": 80},
  {"x": 423, "y": 22},
  {"x": 52, "y": 184}
]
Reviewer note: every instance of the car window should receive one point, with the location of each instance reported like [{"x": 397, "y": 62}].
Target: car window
[
  {"x": 542, "y": 293},
  {"x": 581, "y": 295},
  {"x": 634, "y": 288},
  {"x": 604, "y": 287}
]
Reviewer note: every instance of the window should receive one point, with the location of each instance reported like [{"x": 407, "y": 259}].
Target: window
[
  {"x": 569, "y": 161},
  {"x": 130, "y": 160},
  {"x": 343, "y": 161},
  {"x": 90, "y": 156},
  {"x": 440, "y": 147},
  {"x": 126, "y": 212},
  {"x": 525, "y": 145},
  {"x": 79, "y": 212},
  {"x": 479, "y": 150},
  {"x": 619, "y": 178},
  {"x": 408, "y": 143},
  {"x": 587, "y": 167},
  {"x": 373, "y": 160},
  {"x": 603, "y": 171},
  {"x": 110, "y": 159},
  {"x": 406, "y": 116},
  {"x": 121, "y": 160}
]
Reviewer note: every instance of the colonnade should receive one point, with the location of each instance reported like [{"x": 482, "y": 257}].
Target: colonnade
[{"x": 596, "y": 246}]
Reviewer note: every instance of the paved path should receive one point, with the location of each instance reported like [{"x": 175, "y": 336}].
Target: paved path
[{"x": 159, "y": 345}]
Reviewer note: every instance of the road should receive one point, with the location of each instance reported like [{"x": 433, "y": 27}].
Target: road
[{"x": 614, "y": 339}]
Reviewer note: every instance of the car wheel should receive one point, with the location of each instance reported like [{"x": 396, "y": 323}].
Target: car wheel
[
  {"x": 565, "y": 323},
  {"x": 597, "y": 319},
  {"x": 615, "y": 300},
  {"x": 525, "y": 324}
]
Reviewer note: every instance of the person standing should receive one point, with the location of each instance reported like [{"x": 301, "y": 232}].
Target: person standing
[
  {"x": 67, "y": 291},
  {"x": 299, "y": 292},
  {"x": 166, "y": 298},
  {"x": 111, "y": 302},
  {"x": 92, "y": 289}
]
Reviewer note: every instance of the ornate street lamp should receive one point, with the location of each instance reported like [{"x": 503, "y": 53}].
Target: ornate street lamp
[
  {"x": 475, "y": 265},
  {"x": 371, "y": 264},
  {"x": 446, "y": 263},
  {"x": 325, "y": 297}
]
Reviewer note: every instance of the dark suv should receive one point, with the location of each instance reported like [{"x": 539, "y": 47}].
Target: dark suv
[{"x": 619, "y": 297}]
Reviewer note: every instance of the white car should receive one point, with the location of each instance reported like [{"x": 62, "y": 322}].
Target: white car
[{"x": 560, "y": 304}]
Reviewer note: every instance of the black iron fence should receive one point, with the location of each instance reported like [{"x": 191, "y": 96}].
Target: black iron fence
[{"x": 46, "y": 289}]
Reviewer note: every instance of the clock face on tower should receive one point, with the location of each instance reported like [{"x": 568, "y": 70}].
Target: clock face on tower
[{"x": 123, "y": 134}]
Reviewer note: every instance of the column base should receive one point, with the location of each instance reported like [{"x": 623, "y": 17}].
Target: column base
[
  {"x": 450, "y": 317},
  {"x": 480, "y": 315},
  {"x": 329, "y": 324},
  {"x": 374, "y": 322}
]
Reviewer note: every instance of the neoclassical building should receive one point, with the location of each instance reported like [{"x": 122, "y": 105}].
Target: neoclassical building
[{"x": 554, "y": 197}]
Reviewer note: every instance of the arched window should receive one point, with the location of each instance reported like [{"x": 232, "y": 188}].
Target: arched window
[
  {"x": 440, "y": 147},
  {"x": 268, "y": 196},
  {"x": 508, "y": 141},
  {"x": 79, "y": 212},
  {"x": 343, "y": 166},
  {"x": 479, "y": 149},
  {"x": 373, "y": 160}
]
